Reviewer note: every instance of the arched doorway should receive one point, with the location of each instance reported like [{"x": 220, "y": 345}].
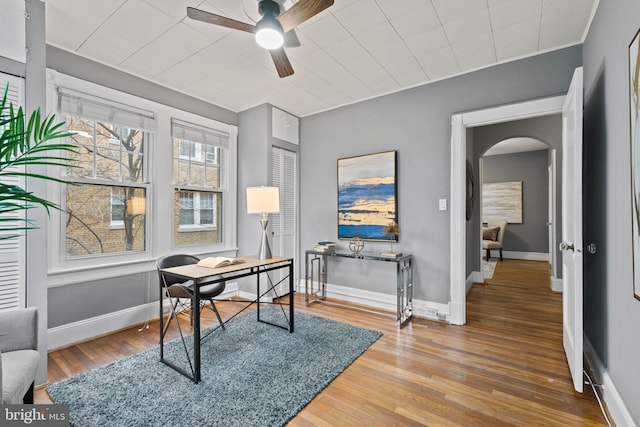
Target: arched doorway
[{"x": 524, "y": 167}]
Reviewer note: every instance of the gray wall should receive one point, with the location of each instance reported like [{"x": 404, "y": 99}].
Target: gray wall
[
  {"x": 255, "y": 142},
  {"x": 611, "y": 313},
  {"x": 415, "y": 122},
  {"x": 530, "y": 168},
  {"x": 547, "y": 129}
]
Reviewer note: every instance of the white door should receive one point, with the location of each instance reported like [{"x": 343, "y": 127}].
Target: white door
[
  {"x": 571, "y": 245},
  {"x": 283, "y": 225},
  {"x": 12, "y": 250}
]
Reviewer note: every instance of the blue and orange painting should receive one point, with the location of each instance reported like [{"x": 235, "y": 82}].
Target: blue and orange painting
[{"x": 367, "y": 196}]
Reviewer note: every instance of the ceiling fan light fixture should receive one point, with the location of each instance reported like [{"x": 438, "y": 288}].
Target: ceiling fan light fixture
[{"x": 269, "y": 33}]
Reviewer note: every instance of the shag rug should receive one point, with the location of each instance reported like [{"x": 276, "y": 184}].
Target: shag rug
[
  {"x": 488, "y": 267},
  {"x": 253, "y": 374}
]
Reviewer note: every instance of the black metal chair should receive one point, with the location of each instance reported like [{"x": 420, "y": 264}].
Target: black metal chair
[{"x": 179, "y": 290}]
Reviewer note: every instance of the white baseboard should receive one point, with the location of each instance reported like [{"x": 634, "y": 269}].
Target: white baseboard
[
  {"x": 427, "y": 309},
  {"x": 531, "y": 256},
  {"x": 474, "y": 277},
  {"x": 608, "y": 392},
  {"x": 71, "y": 333},
  {"x": 556, "y": 284}
]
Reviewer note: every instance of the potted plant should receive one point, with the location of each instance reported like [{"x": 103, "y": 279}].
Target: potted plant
[{"x": 23, "y": 144}]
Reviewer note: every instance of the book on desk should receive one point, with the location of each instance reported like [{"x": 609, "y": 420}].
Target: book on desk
[{"x": 219, "y": 261}]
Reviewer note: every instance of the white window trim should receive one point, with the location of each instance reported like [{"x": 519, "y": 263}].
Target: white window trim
[{"x": 62, "y": 271}]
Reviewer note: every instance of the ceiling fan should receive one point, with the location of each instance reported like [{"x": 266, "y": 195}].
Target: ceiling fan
[{"x": 271, "y": 28}]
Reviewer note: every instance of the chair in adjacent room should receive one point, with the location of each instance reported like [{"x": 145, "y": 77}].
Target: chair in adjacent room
[
  {"x": 19, "y": 357},
  {"x": 493, "y": 235},
  {"x": 181, "y": 292}
]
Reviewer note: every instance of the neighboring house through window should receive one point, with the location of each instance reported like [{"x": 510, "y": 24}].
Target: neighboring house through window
[
  {"x": 198, "y": 177},
  {"x": 110, "y": 173}
]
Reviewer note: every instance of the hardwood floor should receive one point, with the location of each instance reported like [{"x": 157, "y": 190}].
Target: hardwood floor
[{"x": 505, "y": 367}]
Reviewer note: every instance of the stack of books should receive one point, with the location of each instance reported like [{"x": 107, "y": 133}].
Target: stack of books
[
  {"x": 391, "y": 254},
  {"x": 325, "y": 247}
]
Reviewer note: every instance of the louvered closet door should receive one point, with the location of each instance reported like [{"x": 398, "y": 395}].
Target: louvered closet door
[
  {"x": 283, "y": 225},
  {"x": 12, "y": 285}
]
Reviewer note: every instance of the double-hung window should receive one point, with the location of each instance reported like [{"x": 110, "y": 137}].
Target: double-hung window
[
  {"x": 199, "y": 155},
  {"x": 106, "y": 203}
]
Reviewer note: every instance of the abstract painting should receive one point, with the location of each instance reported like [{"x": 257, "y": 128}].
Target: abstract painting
[
  {"x": 502, "y": 200},
  {"x": 367, "y": 196},
  {"x": 634, "y": 105}
]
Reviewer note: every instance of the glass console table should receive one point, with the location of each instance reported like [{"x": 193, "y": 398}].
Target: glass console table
[{"x": 315, "y": 282}]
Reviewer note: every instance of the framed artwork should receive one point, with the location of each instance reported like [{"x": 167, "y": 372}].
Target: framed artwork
[
  {"x": 367, "y": 196},
  {"x": 634, "y": 105},
  {"x": 502, "y": 200}
]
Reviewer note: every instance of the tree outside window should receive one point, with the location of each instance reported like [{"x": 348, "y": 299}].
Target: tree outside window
[{"x": 101, "y": 216}]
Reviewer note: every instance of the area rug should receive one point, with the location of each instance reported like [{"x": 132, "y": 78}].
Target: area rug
[
  {"x": 253, "y": 374},
  {"x": 488, "y": 267}
]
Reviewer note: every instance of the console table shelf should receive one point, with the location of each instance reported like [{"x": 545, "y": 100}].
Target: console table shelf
[{"x": 315, "y": 283}]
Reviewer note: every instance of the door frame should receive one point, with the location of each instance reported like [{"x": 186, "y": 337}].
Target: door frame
[{"x": 458, "y": 239}]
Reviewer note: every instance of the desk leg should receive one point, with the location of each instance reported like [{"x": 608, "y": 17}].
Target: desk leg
[
  {"x": 161, "y": 320},
  {"x": 291, "y": 297},
  {"x": 306, "y": 279},
  {"x": 195, "y": 305},
  {"x": 258, "y": 293}
]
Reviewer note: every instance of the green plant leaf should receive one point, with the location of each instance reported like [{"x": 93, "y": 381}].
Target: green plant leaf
[{"x": 27, "y": 145}]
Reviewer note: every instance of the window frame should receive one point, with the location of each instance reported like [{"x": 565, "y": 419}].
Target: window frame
[{"x": 159, "y": 188}]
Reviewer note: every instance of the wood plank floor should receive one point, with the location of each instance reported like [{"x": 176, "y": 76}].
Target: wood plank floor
[{"x": 506, "y": 367}]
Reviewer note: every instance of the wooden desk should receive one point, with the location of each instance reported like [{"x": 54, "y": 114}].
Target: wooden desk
[{"x": 252, "y": 267}]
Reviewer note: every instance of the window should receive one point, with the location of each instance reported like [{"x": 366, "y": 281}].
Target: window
[
  {"x": 197, "y": 152},
  {"x": 126, "y": 206},
  {"x": 196, "y": 209},
  {"x": 198, "y": 180},
  {"x": 105, "y": 205},
  {"x": 117, "y": 206}
]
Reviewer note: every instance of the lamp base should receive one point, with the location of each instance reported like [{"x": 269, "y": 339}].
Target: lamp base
[{"x": 264, "y": 251}]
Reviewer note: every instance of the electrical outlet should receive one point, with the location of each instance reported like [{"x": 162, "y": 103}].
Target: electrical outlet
[{"x": 442, "y": 204}]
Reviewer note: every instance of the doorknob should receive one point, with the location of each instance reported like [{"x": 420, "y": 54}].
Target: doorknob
[{"x": 564, "y": 246}]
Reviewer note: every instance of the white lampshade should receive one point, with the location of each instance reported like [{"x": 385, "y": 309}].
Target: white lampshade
[{"x": 262, "y": 200}]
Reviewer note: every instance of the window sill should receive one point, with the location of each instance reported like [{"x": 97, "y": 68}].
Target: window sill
[
  {"x": 108, "y": 270},
  {"x": 195, "y": 228}
]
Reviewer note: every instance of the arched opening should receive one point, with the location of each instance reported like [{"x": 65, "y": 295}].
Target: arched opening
[{"x": 517, "y": 188}]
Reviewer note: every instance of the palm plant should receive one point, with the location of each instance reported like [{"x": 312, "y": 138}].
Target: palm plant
[{"x": 25, "y": 144}]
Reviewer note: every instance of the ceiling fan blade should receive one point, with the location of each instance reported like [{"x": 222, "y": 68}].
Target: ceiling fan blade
[
  {"x": 283, "y": 66},
  {"x": 301, "y": 11},
  {"x": 201, "y": 15},
  {"x": 291, "y": 39}
]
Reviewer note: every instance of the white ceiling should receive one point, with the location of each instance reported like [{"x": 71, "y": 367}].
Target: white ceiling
[{"x": 355, "y": 50}]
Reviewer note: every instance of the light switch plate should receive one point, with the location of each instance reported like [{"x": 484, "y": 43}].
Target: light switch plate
[{"x": 442, "y": 204}]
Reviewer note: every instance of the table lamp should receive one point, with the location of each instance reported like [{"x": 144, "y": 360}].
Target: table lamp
[{"x": 263, "y": 201}]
